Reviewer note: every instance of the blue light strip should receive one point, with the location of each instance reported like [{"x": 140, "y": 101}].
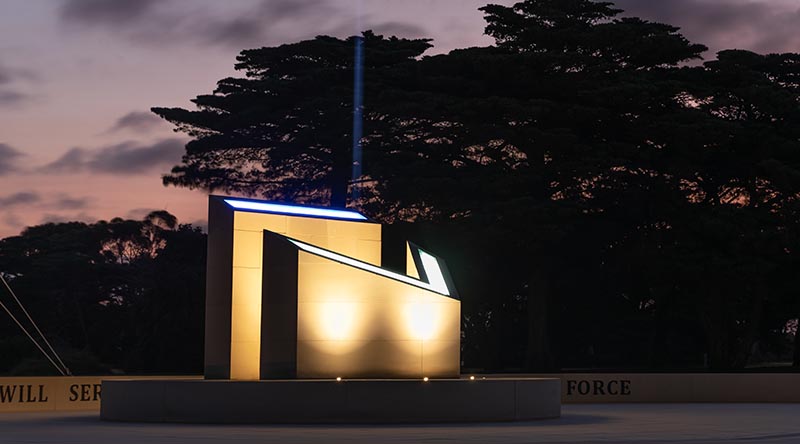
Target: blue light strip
[{"x": 294, "y": 210}]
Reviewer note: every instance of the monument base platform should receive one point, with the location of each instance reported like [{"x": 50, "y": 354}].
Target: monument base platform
[{"x": 331, "y": 402}]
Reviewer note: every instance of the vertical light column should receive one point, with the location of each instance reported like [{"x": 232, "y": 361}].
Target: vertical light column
[{"x": 246, "y": 290}]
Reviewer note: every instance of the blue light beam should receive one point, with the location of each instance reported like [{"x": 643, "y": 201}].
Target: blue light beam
[{"x": 358, "y": 114}]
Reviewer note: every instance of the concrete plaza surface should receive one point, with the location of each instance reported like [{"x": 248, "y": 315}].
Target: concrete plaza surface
[{"x": 581, "y": 423}]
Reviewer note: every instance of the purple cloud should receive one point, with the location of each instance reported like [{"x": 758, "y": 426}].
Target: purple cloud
[
  {"x": 20, "y": 198},
  {"x": 138, "y": 121},
  {"x": 122, "y": 158},
  {"x": 8, "y": 158},
  {"x": 759, "y": 26}
]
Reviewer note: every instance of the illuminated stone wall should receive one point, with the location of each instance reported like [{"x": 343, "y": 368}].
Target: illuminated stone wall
[{"x": 354, "y": 323}]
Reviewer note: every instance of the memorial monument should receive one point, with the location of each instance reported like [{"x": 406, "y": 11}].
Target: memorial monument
[
  {"x": 303, "y": 324},
  {"x": 299, "y": 292}
]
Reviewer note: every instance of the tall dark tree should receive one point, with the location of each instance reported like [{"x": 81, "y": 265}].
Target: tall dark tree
[
  {"x": 285, "y": 129},
  {"x": 616, "y": 194}
]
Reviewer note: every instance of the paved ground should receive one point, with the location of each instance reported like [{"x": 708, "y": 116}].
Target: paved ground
[{"x": 602, "y": 423}]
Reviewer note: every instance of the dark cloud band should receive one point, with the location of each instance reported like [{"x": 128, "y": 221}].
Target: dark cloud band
[
  {"x": 251, "y": 23},
  {"x": 65, "y": 202},
  {"x": 136, "y": 121},
  {"x": 8, "y": 158},
  {"x": 9, "y": 98},
  {"x": 123, "y": 158},
  {"x": 105, "y": 11},
  {"x": 760, "y": 26},
  {"x": 166, "y": 22},
  {"x": 20, "y": 198}
]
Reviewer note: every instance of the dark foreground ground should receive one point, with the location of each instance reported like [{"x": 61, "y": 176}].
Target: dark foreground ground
[{"x": 601, "y": 423}]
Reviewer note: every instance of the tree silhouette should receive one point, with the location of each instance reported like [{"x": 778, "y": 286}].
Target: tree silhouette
[
  {"x": 624, "y": 205},
  {"x": 121, "y": 294},
  {"x": 283, "y": 131}
]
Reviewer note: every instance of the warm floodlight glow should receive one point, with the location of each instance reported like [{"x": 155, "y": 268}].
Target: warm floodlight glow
[
  {"x": 422, "y": 320},
  {"x": 338, "y": 379},
  {"x": 437, "y": 283},
  {"x": 337, "y": 319},
  {"x": 294, "y": 210},
  {"x": 425, "y": 379},
  {"x": 471, "y": 378}
]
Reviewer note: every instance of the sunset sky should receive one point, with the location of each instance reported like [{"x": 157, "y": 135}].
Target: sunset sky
[{"x": 77, "y": 79}]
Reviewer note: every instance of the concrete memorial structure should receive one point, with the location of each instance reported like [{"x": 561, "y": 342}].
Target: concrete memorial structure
[
  {"x": 304, "y": 325},
  {"x": 298, "y": 292}
]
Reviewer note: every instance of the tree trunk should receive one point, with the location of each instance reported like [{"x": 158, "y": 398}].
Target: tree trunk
[
  {"x": 718, "y": 356},
  {"x": 339, "y": 193},
  {"x": 491, "y": 356},
  {"x": 654, "y": 350},
  {"x": 717, "y": 334},
  {"x": 538, "y": 356},
  {"x": 796, "y": 354},
  {"x": 81, "y": 321},
  {"x": 750, "y": 333},
  {"x": 340, "y": 177}
]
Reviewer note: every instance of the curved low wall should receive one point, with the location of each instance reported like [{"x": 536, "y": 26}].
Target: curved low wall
[
  {"x": 326, "y": 401},
  {"x": 59, "y": 393},
  {"x": 582, "y": 388},
  {"x": 56, "y": 393}
]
